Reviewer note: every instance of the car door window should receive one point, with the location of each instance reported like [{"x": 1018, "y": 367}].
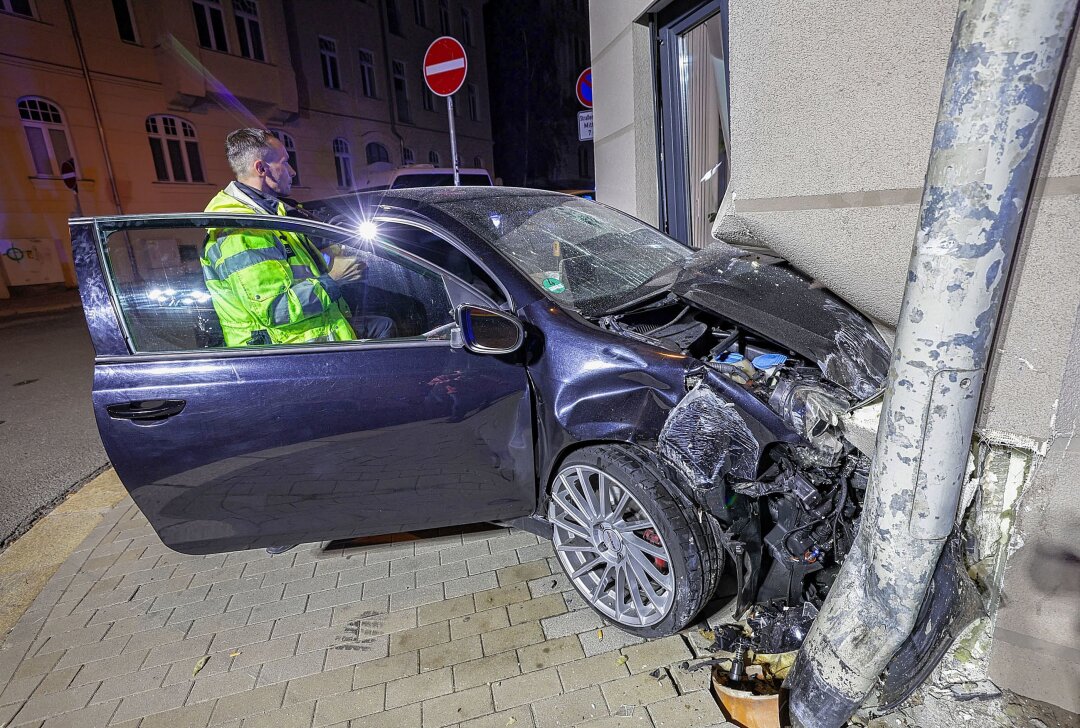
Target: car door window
[{"x": 158, "y": 277}]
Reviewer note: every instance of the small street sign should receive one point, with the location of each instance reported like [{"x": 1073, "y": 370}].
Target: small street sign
[
  {"x": 584, "y": 88},
  {"x": 67, "y": 173},
  {"x": 445, "y": 66},
  {"x": 584, "y": 126}
]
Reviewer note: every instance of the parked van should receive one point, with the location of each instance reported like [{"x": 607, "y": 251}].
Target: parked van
[{"x": 420, "y": 175}]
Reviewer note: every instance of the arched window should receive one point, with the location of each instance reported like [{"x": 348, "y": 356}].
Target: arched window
[
  {"x": 477, "y": 162},
  {"x": 46, "y": 134},
  {"x": 433, "y": 158},
  {"x": 342, "y": 163},
  {"x": 376, "y": 153},
  {"x": 175, "y": 149},
  {"x": 287, "y": 142},
  {"x": 407, "y": 156}
]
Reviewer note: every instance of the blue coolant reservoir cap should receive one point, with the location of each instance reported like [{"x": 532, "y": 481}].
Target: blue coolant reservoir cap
[
  {"x": 768, "y": 361},
  {"x": 732, "y": 357}
]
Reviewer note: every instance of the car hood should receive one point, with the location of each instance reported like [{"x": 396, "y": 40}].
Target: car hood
[{"x": 769, "y": 296}]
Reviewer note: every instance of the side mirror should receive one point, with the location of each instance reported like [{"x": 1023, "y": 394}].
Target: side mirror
[{"x": 487, "y": 331}]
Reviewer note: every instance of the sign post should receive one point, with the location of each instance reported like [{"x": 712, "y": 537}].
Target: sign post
[
  {"x": 583, "y": 89},
  {"x": 445, "y": 66}
]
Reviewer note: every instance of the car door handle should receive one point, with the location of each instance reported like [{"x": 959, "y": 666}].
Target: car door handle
[{"x": 146, "y": 409}]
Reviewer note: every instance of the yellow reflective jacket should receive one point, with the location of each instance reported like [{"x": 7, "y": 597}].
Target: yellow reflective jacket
[{"x": 269, "y": 286}]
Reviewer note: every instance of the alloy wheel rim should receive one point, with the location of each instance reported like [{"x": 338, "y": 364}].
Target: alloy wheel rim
[{"x": 610, "y": 547}]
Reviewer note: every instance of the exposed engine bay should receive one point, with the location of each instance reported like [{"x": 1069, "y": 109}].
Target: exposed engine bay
[{"x": 784, "y": 484}]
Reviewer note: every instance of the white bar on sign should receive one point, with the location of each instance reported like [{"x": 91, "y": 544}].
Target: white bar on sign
[{"x": 444, "y": 66}]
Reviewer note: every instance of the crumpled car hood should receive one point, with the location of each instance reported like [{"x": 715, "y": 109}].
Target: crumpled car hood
[{"x": 769, "y": 296}]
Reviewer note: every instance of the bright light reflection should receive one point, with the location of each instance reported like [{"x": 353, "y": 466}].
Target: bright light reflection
[{"x": 367, "y": 230}]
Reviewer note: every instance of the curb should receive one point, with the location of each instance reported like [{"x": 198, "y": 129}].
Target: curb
[{"x": 38, "y": 310}]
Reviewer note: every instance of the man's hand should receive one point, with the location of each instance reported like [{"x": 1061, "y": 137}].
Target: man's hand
[{"x": 344, "y": 266}]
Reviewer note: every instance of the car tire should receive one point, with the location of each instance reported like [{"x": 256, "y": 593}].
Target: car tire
[{"x": 630, "y": 543}]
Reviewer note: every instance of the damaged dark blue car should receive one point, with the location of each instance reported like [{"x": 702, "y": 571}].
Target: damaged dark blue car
[{"x": 656, "y": 412}]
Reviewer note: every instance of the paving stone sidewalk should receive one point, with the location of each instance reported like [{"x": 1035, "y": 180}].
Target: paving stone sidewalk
[{"x": 469, "y": 627}]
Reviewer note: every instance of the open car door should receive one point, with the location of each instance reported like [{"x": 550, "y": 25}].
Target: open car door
[{"x": 234, "y": 448}]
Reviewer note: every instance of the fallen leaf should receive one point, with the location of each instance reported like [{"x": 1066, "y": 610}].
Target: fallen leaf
[
  {"x": 200, "y": 665},
  {"x": 235, "y": 653},
  {"x": 511, "y": 721},
  {"x": 599, "y": 634},
  {"x": 622, "y": 660},
  {"x": 708, "y": 634}
]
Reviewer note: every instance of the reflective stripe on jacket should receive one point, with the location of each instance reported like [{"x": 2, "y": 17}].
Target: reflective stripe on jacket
[{"x": 269, "y": 286}]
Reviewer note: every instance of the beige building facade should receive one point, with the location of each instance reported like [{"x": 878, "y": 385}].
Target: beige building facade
[
  {"x": 832, "y": 110},
  {"x": 339, "y": 81}
]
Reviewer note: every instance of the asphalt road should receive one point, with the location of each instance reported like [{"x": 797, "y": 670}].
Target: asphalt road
[{"x": 47, "y": 431}]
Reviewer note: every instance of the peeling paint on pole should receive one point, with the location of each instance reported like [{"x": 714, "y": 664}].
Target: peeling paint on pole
[{"x": 1002, "y": 75}]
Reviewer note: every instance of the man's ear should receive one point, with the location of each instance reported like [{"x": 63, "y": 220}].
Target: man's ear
[{"x": 260, "y": 167}]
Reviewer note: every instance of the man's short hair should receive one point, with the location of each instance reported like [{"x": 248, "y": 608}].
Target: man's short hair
[{"x": 244, "y": 146}]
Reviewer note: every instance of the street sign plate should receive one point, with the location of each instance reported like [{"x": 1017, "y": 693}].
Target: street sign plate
[
  {"x": 67, "y": 173},
  {"x": 584, "y": 126},
  {"x": 445, "y": 66},
  {"x": 584, "y": 88}
]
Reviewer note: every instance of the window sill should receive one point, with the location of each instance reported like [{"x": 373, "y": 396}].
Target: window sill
[
  {"x": 183, "y": 184},
  {"x": 48, "y": 181},
  {"x": 20, "y": 15}
]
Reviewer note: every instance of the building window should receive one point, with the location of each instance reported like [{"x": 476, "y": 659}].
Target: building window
[
  {"x": 248, "y": 30},
  {"x": 444, "y": 17},
  {"x": 367, "y": 73},
  {"x": 376, "y": 153},
  {"x": 342, "y": 163},
  {"x": 474, "y": 102},
  {"x": 401, "y": 93},
  {"x": 46, "y": 134},
  {"x": 466, "y": 26},
  {"x": 328, "y": 54},
  {"x": 420, "y": 10},
  {"x": 210, "y": 24},
  {"x": 175, "y": 148},
  {"x": 429, "y": 99},
  {"x": 290, "y": 147},
  {"x": 125, "y": 21},
  {"x": 407, "y": 156},
  {"x": 393, "y": 18},
  {"x": 477, "y": 163},
  {"x": 17, "y": 7},
  {"x": 433, "y": 158}
]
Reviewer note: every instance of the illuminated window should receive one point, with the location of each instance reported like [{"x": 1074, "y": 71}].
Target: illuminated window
[
  {"x": 287, "y": 142},
  {"x": 210, "y": 24},
  {"x": 248, "y": 29},
  {"x": 46, "y": 134},
  {"x": 343, "y": 163},
  {"x": 175, "y": 149},
  {"x": 328, "y": 54}
]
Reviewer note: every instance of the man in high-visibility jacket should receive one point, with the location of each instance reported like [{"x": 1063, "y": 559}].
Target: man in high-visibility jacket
[{"x": 271, "y": 286}]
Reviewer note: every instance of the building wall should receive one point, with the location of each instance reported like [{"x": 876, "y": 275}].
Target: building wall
[
  {"x": 829, "y": 147},
  {"x": 167, "y": 72}
]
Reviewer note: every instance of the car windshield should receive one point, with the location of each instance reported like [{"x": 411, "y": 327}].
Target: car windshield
[{"x": 585, "y": 256}]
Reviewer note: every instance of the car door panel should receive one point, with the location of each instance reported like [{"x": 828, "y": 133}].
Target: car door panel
[{"x": 306, "y": 444}]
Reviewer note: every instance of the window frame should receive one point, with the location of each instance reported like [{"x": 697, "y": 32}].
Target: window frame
[
  {"x": 163, "y": 137},
  {"x": 131, "y": 20},
  {"x": 444, "y": 17},
  {"x": 472, "y": 94},
  {"x": 407, "y": 156},
  {"x": 434, "y": 159},
  {"x": 466, "y": 26},
  {"x": 244, "y": 20},
  {"x": 343, "y": 163},
  {"x": 376, "y": 146},
  {"x": 5, "y": 8},
  {"x": 420, "y": 12},
  {"x": 328, "y": 62},
  {"x": 399, "y": 72},
  {"x": 368, "y": 83},
  {"x": 427, "y": 98},
  {"x": 107, "y": 226},
  {"x": 208, "y": 8},
  {"x": 45, "y": 127}
]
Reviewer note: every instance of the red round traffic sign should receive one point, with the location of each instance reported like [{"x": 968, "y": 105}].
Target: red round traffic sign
[
  {"x": 584, "y": 88},
  {"x": 445, "y": 66}
]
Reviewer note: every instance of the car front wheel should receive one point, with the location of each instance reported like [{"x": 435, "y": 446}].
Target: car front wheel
[{"x": 631, "y": 548}]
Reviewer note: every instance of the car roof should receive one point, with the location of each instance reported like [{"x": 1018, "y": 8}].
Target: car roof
[{"x": 432, "y": 195}]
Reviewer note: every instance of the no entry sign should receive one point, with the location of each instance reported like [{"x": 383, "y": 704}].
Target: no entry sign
[
  {"x": 584, "y": 88},
  {"x": 445, "y": 66}
]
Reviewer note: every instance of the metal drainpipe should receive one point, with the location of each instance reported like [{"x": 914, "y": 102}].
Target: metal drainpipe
[
  {"x": 390, "y": 93},
  {"x": 1003, "y": 71},
  {"x": 94, "y": 106}
]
